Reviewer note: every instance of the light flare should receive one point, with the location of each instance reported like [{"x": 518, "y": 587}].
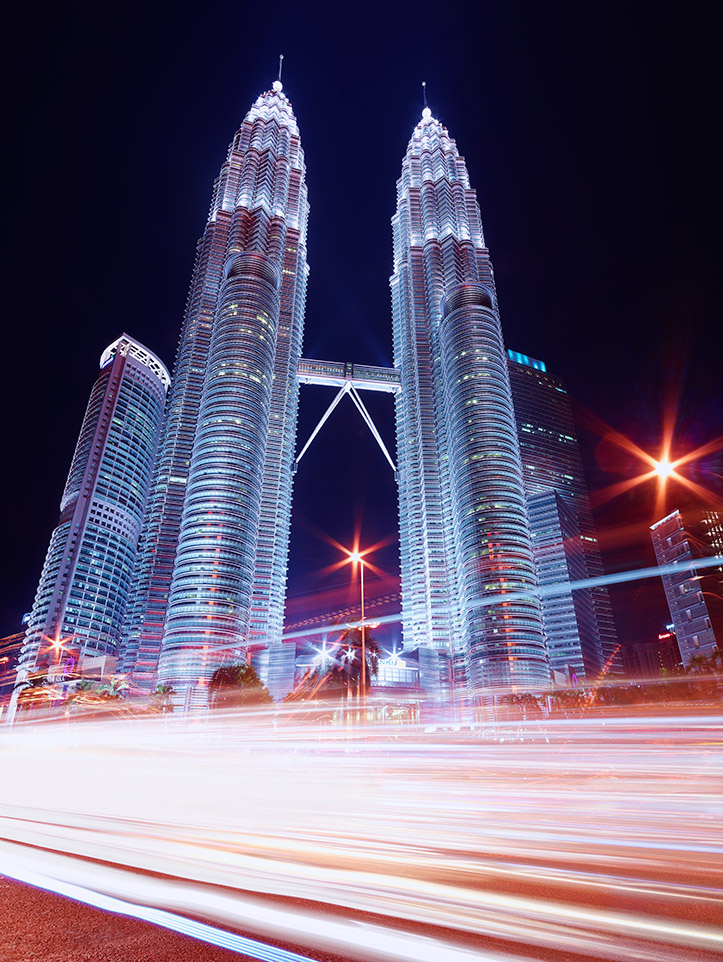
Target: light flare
[{"x": 664, "y": 468}]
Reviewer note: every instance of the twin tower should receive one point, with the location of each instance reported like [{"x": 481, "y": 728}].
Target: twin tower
[{"x": 209, "y": 576}]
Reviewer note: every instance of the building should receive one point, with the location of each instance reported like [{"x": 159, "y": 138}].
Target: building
[
  {"x": 694, "y": 595},
  {"x": 649, "y": 660},
  {"x": 551, "y": 461},
  {"x": 464, "y": 533},
  {"x": 573, "y": 643},
  {"x": 212, "y": 563},
  {"x": 86, "y": 580},
  {"x": 213, "y": 556},
  {"x": 10, "y": 648}
]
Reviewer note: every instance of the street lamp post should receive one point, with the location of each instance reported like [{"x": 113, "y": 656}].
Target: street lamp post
[{"x": 354, "y": 557}]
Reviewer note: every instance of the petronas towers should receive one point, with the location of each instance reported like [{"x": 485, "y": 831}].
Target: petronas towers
[
  {"x": 468, "y": 577},
  {"x": 210, "y": 575},
  {"x": 213, "y": 555}
]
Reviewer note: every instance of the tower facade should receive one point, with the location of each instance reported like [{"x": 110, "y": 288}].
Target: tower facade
[
  {"x": 213, "y": 556},
  {"x": 573, "y": 642},
  {"x": 551, "y": 461},
  {"x": 465, "y": 540},
  {"x": 87, "y": 576},
  {"x": 693, "y": 595}
]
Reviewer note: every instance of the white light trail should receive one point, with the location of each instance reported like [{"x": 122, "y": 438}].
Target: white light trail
[{"x": 597, "y": 838}]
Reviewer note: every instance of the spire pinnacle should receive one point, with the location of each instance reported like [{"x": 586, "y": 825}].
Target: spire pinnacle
[
  {"x": 426, "y": 113},
  {"x": 278, "y": 86}
]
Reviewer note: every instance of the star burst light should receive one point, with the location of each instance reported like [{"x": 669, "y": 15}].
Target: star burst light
[
  {"x": 57, "y": 644},
  {"x": 664, "y": 468},
  {"x": 324, "y": 655}
]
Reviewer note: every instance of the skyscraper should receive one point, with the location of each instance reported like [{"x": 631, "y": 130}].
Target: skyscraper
[
  {"x": 211, "y": 572},
  {"x": 689, "y": 591},
  {"x": 465, "y": 539},
  {"x": 573, "y": 643},
  {"x": 551, "y": 461},
  {"x": 88, "y": 570},
  {"x": 212, "y": 568}
]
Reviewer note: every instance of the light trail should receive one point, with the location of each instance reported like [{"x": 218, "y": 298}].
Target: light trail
[
  {"x": 14, "y": 867},
  {"x": 590, "y": 839},
  {"x": 548, "y": 591}
]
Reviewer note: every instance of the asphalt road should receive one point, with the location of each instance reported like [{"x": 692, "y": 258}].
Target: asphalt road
[{"x": 39, "y": 926}]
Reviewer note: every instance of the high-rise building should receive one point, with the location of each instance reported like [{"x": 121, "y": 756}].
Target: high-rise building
[
  {"x": 465, "y": 539},
  {"x": 693, "y": 594},
  {"x": 10, "y": 648},
  {"x": 211, "y": 572},
  {"x": 649, "y": 660},
  {"x": 551, "y": 461},
  {"x": 213, "y": 557},
  {"x": 88, "y": 571},
  {"x": 573, "y": 643}
]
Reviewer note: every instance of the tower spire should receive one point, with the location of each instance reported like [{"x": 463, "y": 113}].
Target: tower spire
[
  {"x": 426, "y": 113},
  {"x": 278, "y": 86}
]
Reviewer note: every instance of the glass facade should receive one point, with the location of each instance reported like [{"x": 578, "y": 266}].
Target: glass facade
[
  {"x": 551, "y": 461},
  {"x": 686, "y": 592},
  {"x": 464, "y": 533},
  {"x": 573, "y": 642},
  {"x": 213, "y": 557},
  {"x": 88, "y": 571}
]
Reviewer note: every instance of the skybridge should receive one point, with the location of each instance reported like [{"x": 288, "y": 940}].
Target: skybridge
[{"x": 349, "y": 379}]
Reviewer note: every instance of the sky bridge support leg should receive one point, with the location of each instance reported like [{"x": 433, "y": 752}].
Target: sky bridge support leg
[{"x": 349, "y": 389}]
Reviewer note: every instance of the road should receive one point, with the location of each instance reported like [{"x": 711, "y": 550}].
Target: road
[{"x": 590, "y": 839}]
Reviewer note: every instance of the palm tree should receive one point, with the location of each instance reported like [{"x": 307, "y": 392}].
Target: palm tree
[
  {"x": 348, "y": 668},
  {"x": 116, "y": 687},
  {"x": 234, "y": 686},
  {"x": 312, "y": 686},
  {"x": 161, "y": 698}
]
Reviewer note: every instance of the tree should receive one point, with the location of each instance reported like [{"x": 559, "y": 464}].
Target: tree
[
  {"x": 237, "y": 686},
  {"x": 311, "y": 686},
  {"x": 161, "y": 698},
  {"x": 116, "y": 687},
  {"x": 347, "y": 668},
  {"x": 339, "y": 675}
]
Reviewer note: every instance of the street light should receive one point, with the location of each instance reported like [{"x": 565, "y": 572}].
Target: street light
[
  {"x": 57, "y": 646},
  {"x": 664, "y": 468},
  {"x": 357, "y": 556}
]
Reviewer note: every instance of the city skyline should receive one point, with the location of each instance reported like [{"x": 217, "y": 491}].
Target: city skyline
[{"x": 365, "y": 342}]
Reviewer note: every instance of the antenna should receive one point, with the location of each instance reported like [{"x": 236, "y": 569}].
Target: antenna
[
  {"x": 424, "y": 92},
  {"x": 281, "y": 64}
]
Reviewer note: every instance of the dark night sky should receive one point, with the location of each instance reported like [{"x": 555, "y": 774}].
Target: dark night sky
[{"x": 590, "y": 133}]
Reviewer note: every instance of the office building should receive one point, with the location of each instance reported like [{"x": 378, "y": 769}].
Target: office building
[
  {"x": 464, "y": 534},
  {"x": 551, "y": 461},
  {"x": 213, "y": 556},
  {"x": 84, "y": 587},
  {"x": 693, "y": 594},
  {"x": 568, "y": 615},
  {"x": 652, "y": 660}
]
